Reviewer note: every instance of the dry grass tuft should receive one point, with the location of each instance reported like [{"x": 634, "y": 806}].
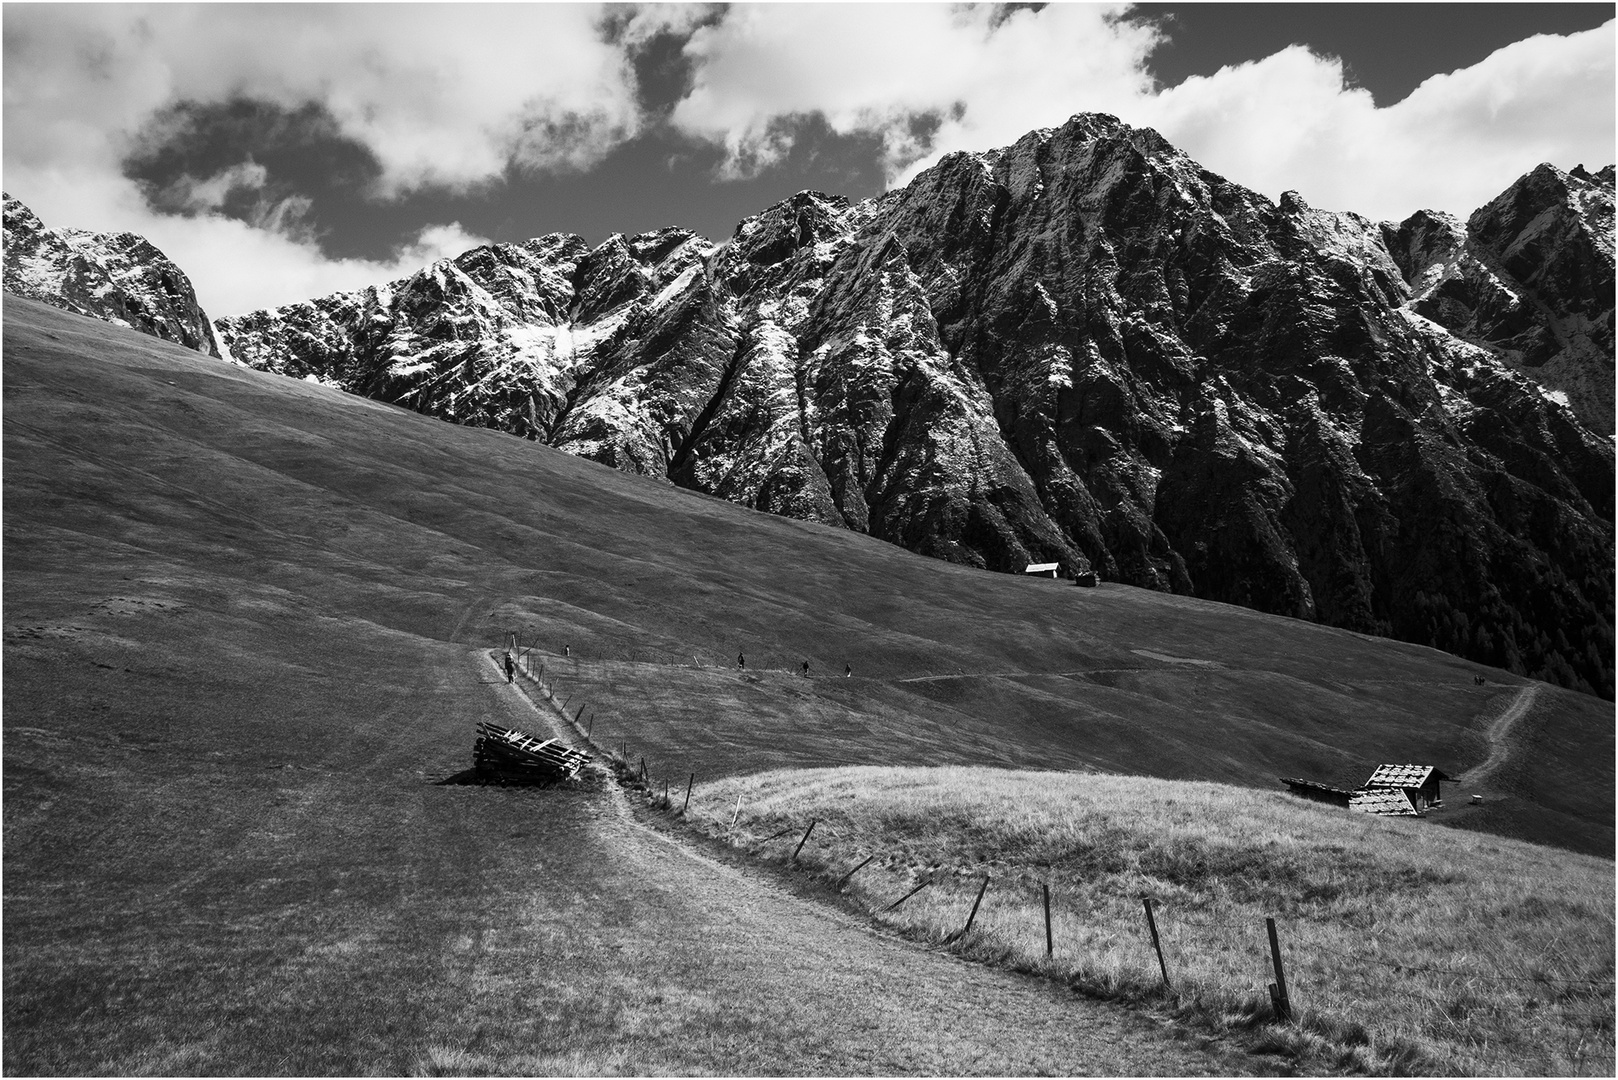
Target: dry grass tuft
[{"x": 1407, "y": 948}]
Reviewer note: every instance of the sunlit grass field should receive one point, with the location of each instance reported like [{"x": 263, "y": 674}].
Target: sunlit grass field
[{"x": 1407, "y": 948}]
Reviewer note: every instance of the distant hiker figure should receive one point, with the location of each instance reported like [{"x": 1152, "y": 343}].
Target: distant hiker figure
[
  {"x": 511, "y": 669},
  {"x": 848, "y": 671},
  {"x": 741, "y": 661},
  {"x": 567, "y": 650},
  {"x": 806, "y": 669}
]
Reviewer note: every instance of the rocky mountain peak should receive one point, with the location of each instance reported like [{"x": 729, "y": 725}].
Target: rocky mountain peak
[
  {"x": 1083, "y": 347},
  {"x": 117, "y": 277},
  {"x": 1528, "y": 277}
]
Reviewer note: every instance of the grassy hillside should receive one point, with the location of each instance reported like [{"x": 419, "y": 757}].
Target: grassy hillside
[
  {"x": 237, "y": 611},
  {"x": 1406, "y": 949},
  {"x": 119, "y": 448}
]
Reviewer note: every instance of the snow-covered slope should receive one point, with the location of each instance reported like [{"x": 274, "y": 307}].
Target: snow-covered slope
[
  {"x": 118, "y": 277},
  {"x": 1084, "y": 348}
]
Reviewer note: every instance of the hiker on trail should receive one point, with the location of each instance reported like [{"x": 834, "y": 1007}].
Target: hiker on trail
[
  {"x": 567, "y": 650},
  {"x": 511, "y": 669},
  {"x": 806, "y": 669},
  {"x": 741, "y": 661},
  {"x": 848, "y": 671}
]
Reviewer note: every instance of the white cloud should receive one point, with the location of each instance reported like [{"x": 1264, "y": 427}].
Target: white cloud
[
  {"x": 439, "y": 93},
  {"x": 442, "y": 94},
  {"x": 873, "y": 67},
  {"x": 452, "y": 94},
  {"x": 211, "y": 193},
  {"x": 1285, "y": 122},
  {"x": 233, "y": 265}
]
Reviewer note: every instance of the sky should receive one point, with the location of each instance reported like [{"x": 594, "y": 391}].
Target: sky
[{"x": 278, "y": 152}]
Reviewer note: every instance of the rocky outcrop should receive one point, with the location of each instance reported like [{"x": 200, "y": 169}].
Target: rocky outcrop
[
  {"x": 1528, "y": 277},
  {"x": 118, "y": 277},
  {"x": 1082, "y": 348}
]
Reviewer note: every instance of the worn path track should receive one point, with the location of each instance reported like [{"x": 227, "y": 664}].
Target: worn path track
[
  {"x": 832, "y": 994},
  {"x": 1499, "y": 733}
]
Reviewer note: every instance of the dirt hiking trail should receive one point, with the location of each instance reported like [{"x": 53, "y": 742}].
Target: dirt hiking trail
[
  {"x": 1499, "y": 735},
  {"x": 818, "y": 990}
]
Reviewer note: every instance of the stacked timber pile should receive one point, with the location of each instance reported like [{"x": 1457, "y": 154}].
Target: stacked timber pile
[{"x": 512, "y": 756}]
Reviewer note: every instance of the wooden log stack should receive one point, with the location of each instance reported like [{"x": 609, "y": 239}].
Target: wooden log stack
[{"x": 516, "y": 757}]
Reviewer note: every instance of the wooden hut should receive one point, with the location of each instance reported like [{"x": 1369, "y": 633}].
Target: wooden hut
[
  {"x": 1420, "y": 783},
  {"x": 1043, "y": 569}
]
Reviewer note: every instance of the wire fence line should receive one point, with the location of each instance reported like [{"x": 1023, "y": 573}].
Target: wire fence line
[{"x": 1175, "y": 918}]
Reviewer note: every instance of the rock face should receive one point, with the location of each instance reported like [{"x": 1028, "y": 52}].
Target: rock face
[
  {"x": 118, "y": 277},
  {"x": 1082, "y": 348},
  {"x": 1530, "y": 277}
]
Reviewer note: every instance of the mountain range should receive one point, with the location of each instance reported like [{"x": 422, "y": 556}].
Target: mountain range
[{"x": 1082, "y": 348}]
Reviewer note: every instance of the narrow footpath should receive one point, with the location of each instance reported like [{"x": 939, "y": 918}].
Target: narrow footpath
[
  {"x": 1499, "y": 735},
  {"x": 762, "y": 981}
]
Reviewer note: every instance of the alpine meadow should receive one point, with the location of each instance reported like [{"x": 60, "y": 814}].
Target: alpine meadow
[{"x": 1048, "y": 609}]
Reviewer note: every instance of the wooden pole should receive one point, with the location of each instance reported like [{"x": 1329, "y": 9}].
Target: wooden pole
[
  {"x": 580, "y": 715},
  {"x": 689, "y": 784},
  {"x": 738, "y": 812},
  {"x": 643, "y": 768},
  {"x": 1151, "y": 924},
  {"x": 592, "y": 725},
  {"x": 908, "y": 895},
  {"x": 1050, "y": 945},
  {"x": 967, "y": 929},
  {"x": 1283, "y": 1004},
  {"x": 665, "y": 793},
  {"x": 812, "y": 823},
  {"x": 846, "y": 878}
]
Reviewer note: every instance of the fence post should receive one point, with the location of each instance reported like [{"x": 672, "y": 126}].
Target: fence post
[
  {"x": 812, "y": 823},
  {"x": 1278, "y": 992},
  {"x": 689, "y": 784},
  {"x": 1151, "y": 924},
  {"x": 846, "y": 878},
  {"x": 1050, "y": 945},
  {"x": 592, "y": 725},
  {"x": 967, "y": 929},
  {"x": 643, "y": 776},
  {"x": 908, "y": 895},
  {"x": 738, "y": 812},
  {"x": 665, "y": 793}
]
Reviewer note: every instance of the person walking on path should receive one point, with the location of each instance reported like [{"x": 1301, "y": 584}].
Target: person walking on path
[
  {"x": 511, "y": 669},
  {"x": 741, "y": 662},
  {"x": 848, "y": 671},
  {"x": 806, "y": 669}
]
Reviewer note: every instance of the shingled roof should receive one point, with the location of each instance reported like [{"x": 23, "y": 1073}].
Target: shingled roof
[
  {"x": 1403, "y": 776},
  {"x": 1386, "y": 801}
]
